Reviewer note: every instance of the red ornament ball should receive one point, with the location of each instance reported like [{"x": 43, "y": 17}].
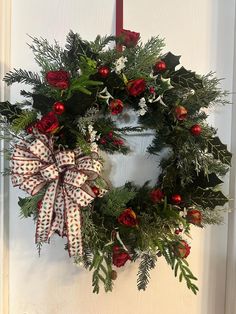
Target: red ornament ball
[
  {"x": 196, "y": 130},
  {"x": 176, "y": 199},
  {"x": 95, "y": 190},
  {"x": 59, "y": 108},
  {"x": 104, "y": 71},
  {"x": 160, "y": 66}
]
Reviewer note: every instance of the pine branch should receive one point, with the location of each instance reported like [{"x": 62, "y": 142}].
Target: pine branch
[
  {"x": 185, "y": 273},
  {"x": 22, "y": 76},
  {"x": 100, "y": 43},
  {"x": 102, "y": 272},
  {"x": 23, "y": 120},
  {"x": 148, "y": 262},
  {"x": 180, "y": 267},
  {"x": 48, "y": 56}
]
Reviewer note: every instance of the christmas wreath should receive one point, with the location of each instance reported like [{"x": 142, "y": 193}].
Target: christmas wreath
[{"x": 71, "y": 114}]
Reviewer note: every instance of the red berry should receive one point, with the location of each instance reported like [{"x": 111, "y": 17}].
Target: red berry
[
  {"x": 39, "y": 204},
  {"x": 152, "y": 90},
  {"x": 160, "y": 66},
  {"x": 177, "y": 231},
  {"x": 113, "y": 274},
  {"x": 196, "y": 130},
  {"x": 118, "y": 142},
  {"x": 116, "y": 248},
  {"x": 95, "y": 190},
  {"x": 103, "y": 141},
  {"x": 58, "y": 108},
  {"x": 176, "y": 199},
  {"x": 110, "y": 134},
  {"x": 104, "y": 71},
  {"x": 29, "y": 129}
]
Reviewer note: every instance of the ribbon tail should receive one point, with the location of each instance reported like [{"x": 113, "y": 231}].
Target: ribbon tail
[
  {"x": 45, "y": 215},
  {"x": 73, "y": 226},
  {"x": 58, "y": 221}
]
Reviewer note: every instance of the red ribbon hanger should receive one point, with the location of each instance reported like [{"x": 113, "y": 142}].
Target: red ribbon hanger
[{"x": 119, "y": 20}]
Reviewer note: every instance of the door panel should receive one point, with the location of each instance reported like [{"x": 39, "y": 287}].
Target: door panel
[{"x": 52, "y": 284}]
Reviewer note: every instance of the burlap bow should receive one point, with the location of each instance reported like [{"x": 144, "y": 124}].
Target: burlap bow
[{"x": 67, "y": 175}]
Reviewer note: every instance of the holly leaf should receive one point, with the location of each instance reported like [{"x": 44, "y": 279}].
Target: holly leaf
[
  {"x": 171, "y": 60},
  {"x": 203, "y": 181},
  {"x": 9, "y": 111},
  {"x": 187, "y": 79},
  {"x": 42, "y": 103},
  {"x": 219, "y": 150},
  {"x": 79, "y": 102},
  {"x": 209, "y": 198},
  {"x": 164, "y": 85}
]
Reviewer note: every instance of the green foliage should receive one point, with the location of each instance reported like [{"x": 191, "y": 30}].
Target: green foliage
[
  {"x": 100, "y": 43},
  {"x": 75, "y": 49},
  {"x": 83, "y": 144},
  {"x": 181, "y": 268},
  {"x": 102, "y": 270},
  {"x": 212, "y": 217},
  {"x": 89, "y": 231},
  {"x": 48, "y": 57},
  {"x": 148, "y": 262},
  {"x": 23, "y": 120},
  {"x": 28, "y": 205},
  {"x": 114, "y": 202}
]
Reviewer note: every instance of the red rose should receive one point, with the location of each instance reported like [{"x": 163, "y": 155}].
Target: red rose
[
  {"x": 48, "y": 123},
  {"x": 128, "y": 38},
  {"x": 194, "y": 216},
  {"x": 182, "y": 249},
  {"x": 120, "y": 256},
  {"x": 136, "y": 87},
  {"x": 157, "y": 196},
  {"x": 116, "y": 106},
  {"x": 181, "y": 113},
  {"x": 58, "y": 79},
  {"x": 128, "y": 218}
]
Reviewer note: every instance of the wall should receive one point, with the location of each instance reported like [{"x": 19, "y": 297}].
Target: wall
[{"x": 201, "y": 33}]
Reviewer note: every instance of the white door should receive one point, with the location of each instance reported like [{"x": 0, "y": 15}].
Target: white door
[{"x": 202, "y": 32}]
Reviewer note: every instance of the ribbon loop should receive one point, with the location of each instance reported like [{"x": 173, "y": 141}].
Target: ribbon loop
[
  {"x": 64, "y": 159},
  {"x": 49, "y": 172}
]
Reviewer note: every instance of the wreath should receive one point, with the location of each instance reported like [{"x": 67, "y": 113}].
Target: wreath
[{"x": 72, "y": 113}]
